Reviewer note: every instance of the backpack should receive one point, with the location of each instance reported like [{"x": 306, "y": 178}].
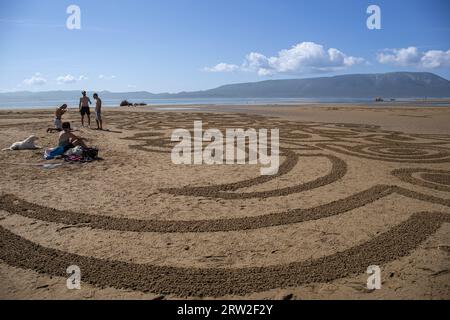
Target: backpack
[{"x": 90, "y": 153}]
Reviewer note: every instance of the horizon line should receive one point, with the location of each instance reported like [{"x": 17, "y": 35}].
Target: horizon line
[{"x": 226, "y": 84}]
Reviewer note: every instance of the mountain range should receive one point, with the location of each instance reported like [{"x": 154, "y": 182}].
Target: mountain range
[{"x": 386, "y": 85}]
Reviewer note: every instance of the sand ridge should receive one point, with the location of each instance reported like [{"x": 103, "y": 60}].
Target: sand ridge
[{"x": 397, "y": 242}]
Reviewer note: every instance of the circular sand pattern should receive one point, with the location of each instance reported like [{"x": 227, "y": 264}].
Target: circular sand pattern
[
  {"x": 408, "y": 153},
  {"x": 437, "y": 178},
  {"x": 402, "y": 140},
  {"x": 440, "y": 137},
  {"x": 404, "y": 152},
  {"x": 338, "y": 170},
  {"x": 433, "y": 179},
  {"x": 397, "y": 152},
  {"x": 397, "y": 137},
  {"x": 299, "y": 142},
  {"x": 365, "y": 127}
]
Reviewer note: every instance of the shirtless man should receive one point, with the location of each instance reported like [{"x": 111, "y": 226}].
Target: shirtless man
[
  {"x": 84, "y": 108},
  {"x": 98, "y": 111},
  {"x": 58, "y": 118}
]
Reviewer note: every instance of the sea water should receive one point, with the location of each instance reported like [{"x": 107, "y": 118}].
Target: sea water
[
  {"x": 24, "y": 103},
  {"x": 16, "y": 103}
]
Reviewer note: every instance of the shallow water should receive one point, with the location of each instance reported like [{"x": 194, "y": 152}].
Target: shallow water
[
  {"x": 16, "y": 103},
  {"x": 21, "y": 103}
]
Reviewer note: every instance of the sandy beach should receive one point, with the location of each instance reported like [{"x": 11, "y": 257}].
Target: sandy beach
[{"x": 357, "y": 186}]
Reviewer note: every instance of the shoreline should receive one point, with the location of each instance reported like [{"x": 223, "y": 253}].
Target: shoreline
[
  {"x": 417, "y": 102},
  {"x": 386, "y": 104},
  {"x": 408, "y": 118}
]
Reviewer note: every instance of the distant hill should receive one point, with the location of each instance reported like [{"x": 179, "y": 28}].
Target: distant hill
[
  {"x": 396, "y": 85},
  {"x": 73, "y": 94},
  {"x": 387, "y": 85}
]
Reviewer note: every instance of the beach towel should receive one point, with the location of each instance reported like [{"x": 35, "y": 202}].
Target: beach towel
[{"x": 74, "y": 158}]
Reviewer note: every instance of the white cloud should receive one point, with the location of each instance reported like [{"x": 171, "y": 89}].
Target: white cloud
[
  {"x": 305, "y": 57},
  {"x": 436, "y": 59},
  {"x": 68, "y": 79},
  {"x": 103, "y": 77},
  {"x": 411, "y": 56},
  {"x": 401, "y": 57},
  {"x": 36, "y": 80},
  {"x": 222, "y": 67}
]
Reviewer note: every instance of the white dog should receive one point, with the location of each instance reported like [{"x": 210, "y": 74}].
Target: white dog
[{"x": 27, "y": 144}]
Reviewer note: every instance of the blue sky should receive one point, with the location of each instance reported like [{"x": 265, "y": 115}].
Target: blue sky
[{"x": 176, "y": 45}]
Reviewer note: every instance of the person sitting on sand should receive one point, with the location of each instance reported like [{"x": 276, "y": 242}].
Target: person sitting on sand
[
  {"x": 84, "y": 108},
  {"x": 98, "y": 111},
  {"x": 58, "y": 118},
  {"x": 67, "y": 139}
]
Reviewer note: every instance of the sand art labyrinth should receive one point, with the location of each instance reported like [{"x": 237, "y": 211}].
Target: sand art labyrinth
[{"x": 417, "y": 167}]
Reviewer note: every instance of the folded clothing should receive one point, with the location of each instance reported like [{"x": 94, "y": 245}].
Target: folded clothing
[
  {"x": 77, "y": 151},
  {"x": 86, "y": 155}
]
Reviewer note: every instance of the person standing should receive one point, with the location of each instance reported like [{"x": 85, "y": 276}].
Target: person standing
[
  {"x": 84, "y": 108},
  {"x": 98, "y": 111}
]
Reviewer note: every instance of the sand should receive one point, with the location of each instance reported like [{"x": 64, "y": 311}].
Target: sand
[{"x": 357, "y": 186}]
